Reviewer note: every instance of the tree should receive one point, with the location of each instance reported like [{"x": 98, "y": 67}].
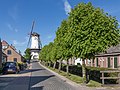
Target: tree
[
  {"x": 27, "y": 55},
  {"x": 91, "y": 31},
  {"x": 54, "y": 53},
  {"x": 62, "y": 45},
  {"x": 43, "y": 53}
]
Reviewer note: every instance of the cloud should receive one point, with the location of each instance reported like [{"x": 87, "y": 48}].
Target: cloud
[
  {"x": 49, "y": 36},
  {"x": 12, "y": 28},
  {"x": 67, "y": 7},
  {"x": 13, "y": 12},
  {"x": 20, "y": 43}
]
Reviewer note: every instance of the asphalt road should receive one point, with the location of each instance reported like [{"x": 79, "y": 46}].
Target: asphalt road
[
  {"x": 36, "y": 78},
  {"x": 42, "y": 79}
]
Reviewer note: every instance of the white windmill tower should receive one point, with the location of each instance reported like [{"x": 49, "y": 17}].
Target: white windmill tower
[{"x": 35, "y": 44}]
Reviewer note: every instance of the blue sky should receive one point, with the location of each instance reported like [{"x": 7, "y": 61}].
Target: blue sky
[{"x": 16, "y": 17}]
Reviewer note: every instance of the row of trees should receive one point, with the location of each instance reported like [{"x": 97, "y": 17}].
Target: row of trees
[{"x": 86, "y": 32}]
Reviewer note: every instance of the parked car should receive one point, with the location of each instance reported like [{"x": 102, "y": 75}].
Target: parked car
[{"x": 10, "y": 67}]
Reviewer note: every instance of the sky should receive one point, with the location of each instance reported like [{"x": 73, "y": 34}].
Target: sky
[{"x": 16, "y": 17}]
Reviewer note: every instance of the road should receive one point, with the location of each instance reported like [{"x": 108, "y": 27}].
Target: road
[
  {"x": 42, "y": 79},
  {"x": 39, "y": 78},
  {"x": 36, "y": 78}
]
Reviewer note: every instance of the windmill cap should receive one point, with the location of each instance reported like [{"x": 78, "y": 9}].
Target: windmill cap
[{"x": 35, "y": 34}]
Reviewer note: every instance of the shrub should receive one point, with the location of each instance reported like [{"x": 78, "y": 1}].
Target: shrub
[{"x": 0, "y": 70}]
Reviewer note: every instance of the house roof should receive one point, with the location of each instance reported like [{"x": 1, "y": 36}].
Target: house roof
[
  {"x": 4, "y": 43},
  {"x": 114, "y": 50}
]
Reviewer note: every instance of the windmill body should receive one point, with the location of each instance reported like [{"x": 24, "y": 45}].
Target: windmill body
[
  {"x": 34, "y": 41},
  {"x": 35, "y": 45}
]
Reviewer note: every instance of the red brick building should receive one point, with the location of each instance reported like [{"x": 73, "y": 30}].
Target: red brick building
[{"x": 110, "y": 59}]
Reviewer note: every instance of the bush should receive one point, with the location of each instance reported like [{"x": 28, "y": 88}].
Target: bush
[
  {"x": 0, "y": 70},
  {"x": 73, "y": 69},
  {"x": 22, "y": 65},
  {"x": 94, "y": 74}
]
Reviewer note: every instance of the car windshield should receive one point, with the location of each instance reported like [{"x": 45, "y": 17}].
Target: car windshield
[{"x": 10, "y": 64}]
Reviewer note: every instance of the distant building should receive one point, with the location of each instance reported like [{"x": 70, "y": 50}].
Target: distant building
[
  {"x": 10, "y": 51},
  {"x": 35, "y": 45}
]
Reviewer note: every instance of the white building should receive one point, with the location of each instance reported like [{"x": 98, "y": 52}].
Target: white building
[
  {"x": 79, "y": 61},
  {"x": 35, "y": 45}
]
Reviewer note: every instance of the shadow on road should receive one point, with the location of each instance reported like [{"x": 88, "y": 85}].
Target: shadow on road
[
  {"x": 30, "y": 70},
  {"x": 37, "y": 88},
  {"x": 13, "y": 81},
  {"x": 36, "y": 81}
]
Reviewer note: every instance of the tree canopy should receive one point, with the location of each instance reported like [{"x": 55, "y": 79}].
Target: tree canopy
[
  {"x": 91, "y": 31},
  {"x": 86, "y": 32},
  {"x": 27, "y": 55}
]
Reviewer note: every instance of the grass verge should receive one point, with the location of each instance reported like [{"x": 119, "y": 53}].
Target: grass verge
[
  {"x": 92, "y": 83},
  {"x": 77, "y": 79}
]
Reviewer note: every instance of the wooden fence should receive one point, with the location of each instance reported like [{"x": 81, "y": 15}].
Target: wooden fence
[{"x": 109, "y": 71}]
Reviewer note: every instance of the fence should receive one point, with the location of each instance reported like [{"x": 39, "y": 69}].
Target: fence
[{"x": 103, "y": 78}]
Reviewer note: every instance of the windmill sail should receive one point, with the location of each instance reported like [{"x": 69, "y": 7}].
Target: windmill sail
[{"x": 30, "y": 33}]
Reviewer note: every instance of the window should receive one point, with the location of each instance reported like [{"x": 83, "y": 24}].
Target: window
[
  {"x": 115, "y": 62},
  {"x": 15, "y": 59},
  {"x": 9, "y": 52},
  {"x": 96, "y": 61},
  {"x": 108, "y": 62}
]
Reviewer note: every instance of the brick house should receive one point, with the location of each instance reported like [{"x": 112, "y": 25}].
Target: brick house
[
  {"x": 110, "y": 59},
  {"x": 10, "y": 51}
]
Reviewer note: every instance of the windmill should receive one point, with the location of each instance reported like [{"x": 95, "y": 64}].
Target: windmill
[{"x": 36, "y": 45}]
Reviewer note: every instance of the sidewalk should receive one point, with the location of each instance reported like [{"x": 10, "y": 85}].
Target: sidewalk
[{"x": 16, "y": 81}]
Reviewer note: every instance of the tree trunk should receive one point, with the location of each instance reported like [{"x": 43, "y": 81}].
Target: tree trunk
[
  {"x": 60, "y": 65},
  {"x": 54, "y": 65},
  {"x": 67, "y": 68},
  {"x": 49, "y": 64},
  {"x": 83, "y": 71}
]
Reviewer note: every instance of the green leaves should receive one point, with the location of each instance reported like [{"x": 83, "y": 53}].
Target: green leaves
[
  {"x": 92, "y": 30},
  {"x": 27, "y": 55},
  {"x": 86, "y": 32}
]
